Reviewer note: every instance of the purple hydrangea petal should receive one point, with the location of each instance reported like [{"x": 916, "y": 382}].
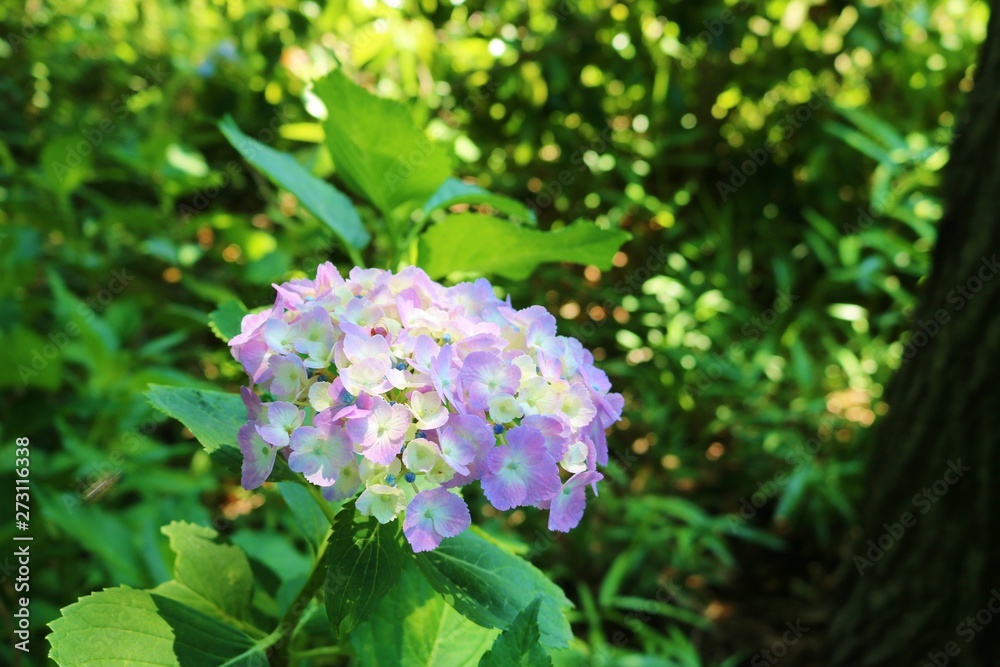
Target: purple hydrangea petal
[
  {"x": 347, "y": 484},
  {"x": 320, "y": 454},
  {"x": 554, "y": 432},
  {"x": 566, "y": 508},
  {"x": 462, "y": 439},
  {"x": 253, "y": 403},
  {"x": 289, "y": 375},
  {"x": 522, "y": 473},
  {"x": 433, "y": 515},
  {"x": 258, "y": 457},
  {"x": 485, "y": 375}
]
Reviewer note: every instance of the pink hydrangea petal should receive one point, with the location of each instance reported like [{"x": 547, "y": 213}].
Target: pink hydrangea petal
[{"x": 320, "y": 453}]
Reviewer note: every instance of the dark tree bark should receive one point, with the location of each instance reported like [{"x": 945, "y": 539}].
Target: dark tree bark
[{"x": 921, "y": 596}]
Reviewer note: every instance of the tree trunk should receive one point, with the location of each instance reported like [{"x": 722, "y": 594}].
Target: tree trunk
[{"x": 916, "y": 594}]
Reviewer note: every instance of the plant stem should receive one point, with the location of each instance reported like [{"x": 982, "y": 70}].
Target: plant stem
[
  {"x": 281, "y": 638},
  {"x": 301, "y": 602},
  {"x": 324, "y": 506},
  {"x": 320, "y": 652},
  {"x": 355, "y": 256}
]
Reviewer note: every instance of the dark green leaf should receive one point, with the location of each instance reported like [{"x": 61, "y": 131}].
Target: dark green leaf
[
  {"x": 364, "y": 562},
  {"x": 22, "y": 363},
  {"x": 309, "y": 518},
  {"x": 490, "y": 586},
  {"x": 518, "y": 645},
  {"x": 214, "y": 417}
]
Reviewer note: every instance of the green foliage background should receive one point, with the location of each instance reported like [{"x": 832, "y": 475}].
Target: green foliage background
[{"x": 752, "y": 321}]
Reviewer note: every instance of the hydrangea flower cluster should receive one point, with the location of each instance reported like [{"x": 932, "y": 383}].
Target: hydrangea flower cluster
[{"x": 408, "y": 390}]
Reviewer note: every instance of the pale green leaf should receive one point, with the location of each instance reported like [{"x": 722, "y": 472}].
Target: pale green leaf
[
  {"x": 209, "y": 567},
  {"x": 415, "y": 627},
  {"x": 470, "y": 242},
  {"x": 454, "y": 192},
  {"x": 377, "y": 148},
  {"x": 888, "y": 135},
  {"x": 124, "y": 626},
  {"x": 860, "y": 142},
  {"x": 214, "y": 417},
  {"x": 226, "y": 321}
]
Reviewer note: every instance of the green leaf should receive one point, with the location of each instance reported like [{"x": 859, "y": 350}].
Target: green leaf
[
  {"x": 860, "y": 142},
  {"x": 308, "y": 517},
  {"x": 415, "y": 627},
  {"x": 124, "y": 626},
  {"x": 226, "y": 321},
  {"x": 364, "y": 562},
  {"x": 107, "y": 537},
  {"x": 377, "y": 148},
  {"x": 214, "y": 417},
  {"x": 875, "y": 127},
  {"x": 328, "y": 204},
  {"x": 518, "y": 645},
  {"x": 470, "y": 242},
  {"x": 215, "y": 571},
  {"x": 22, "y": 362},
  {"x": 490, "y": 586},
  {"x": 454, "y": 191}
]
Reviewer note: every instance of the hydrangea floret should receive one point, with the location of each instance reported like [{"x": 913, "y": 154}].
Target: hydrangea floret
[{"x": 406, "y": 390}]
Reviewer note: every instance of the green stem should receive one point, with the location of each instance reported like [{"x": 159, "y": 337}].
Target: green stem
[
  {"x": 324, "y": 506},
  {"x": 322, "y": 651},
  {"x": 301, "y": 602},
  {"x": 355, "y": 256},
  {"x": 418, "y": 227}
]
